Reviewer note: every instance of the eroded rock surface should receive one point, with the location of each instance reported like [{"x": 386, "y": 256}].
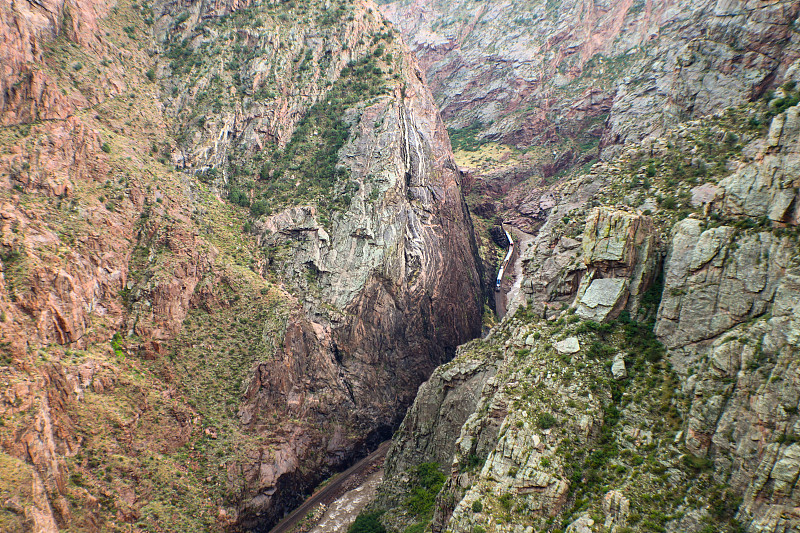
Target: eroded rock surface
[
  {"x": 156, "y": 329},
  {"x": 592, "y": 437},
  {"x": 535, "y": 70}
]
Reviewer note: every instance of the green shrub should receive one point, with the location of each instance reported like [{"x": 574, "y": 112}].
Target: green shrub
[
  {"x": 367, "y": 523},
  {"x": 782, "y": 104},
  {"x": 238, "y": 197},
  {"x": 474, "y": 462},
  {"x": 260, "y": 208},
  {"x": 426, "y": 484},
  {"x": 546, "y": 420},
  {"x": 640, "y": 339},
  {"x": 668, "y": 203},
  {"x": 696, "y": 463},
  {"x": 724, "y": 505},
  {"x": 116, "y": 345},
  {"x": 599, "y": 350},
  {"x": 591, "y": 326},
  {"x": 477, "y": 506},
  {"x": 468, "y": 138},
  {"x": 506, "y": 500},
  {"x": 106, "y": 148}
]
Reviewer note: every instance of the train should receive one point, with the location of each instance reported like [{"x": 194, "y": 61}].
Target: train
[{"x": 502, "y": 271}]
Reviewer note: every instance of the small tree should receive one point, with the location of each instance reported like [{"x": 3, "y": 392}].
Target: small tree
[{"x": 367, "y": 523}]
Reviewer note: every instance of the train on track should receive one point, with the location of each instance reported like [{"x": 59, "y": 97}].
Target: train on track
[{"x": 506, "y": 261}]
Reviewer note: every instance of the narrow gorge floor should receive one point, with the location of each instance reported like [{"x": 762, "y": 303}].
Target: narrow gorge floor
[
  {"x": 337, "y": 502},
  {"x": 343, "y": 512},
  {"x": 512, "y": 281}
]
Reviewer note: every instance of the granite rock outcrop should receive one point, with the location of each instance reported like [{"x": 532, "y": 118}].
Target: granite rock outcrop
[
  {"x": 532, "y": 91},
  {"x": 679, "y": 412},
  {"x": 536, "y": 70},
  {"x": 157, "y": 338}
]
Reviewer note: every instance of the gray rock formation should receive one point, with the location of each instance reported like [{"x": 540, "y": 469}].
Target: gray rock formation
[
  {"x": 618, "y": 369},
  {"x": 612, "y": 436},
  {"x": 287, "y": 340},
  {"x": 542, "y": 69},
  {"x": 569, "y": 345},
  {"x": 603, "y": 298},
  {"x": 769, "y": 187}
]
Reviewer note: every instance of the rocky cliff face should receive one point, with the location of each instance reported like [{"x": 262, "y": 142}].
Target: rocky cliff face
[
  {"x": 172, "y": 358},
  {"x": 234, "y": 244},
  {"x": 644, "y": 381},
  {"x": 531, "y": 90},
  {"x": 531, "y": 70}
]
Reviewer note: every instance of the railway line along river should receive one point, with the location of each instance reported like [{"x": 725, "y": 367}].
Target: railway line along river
[{"x": 356, "y": 475}]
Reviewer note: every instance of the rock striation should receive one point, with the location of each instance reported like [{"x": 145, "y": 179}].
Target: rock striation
[
  {"x": 669, "y": 407},
  {"x": 159, "y": 339},
  {"x": 621, "y": 254},
  {"x": 536, "y": 70},
  {"x": 534, "y": 90}
]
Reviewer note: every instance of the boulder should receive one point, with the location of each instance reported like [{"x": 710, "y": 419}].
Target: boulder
[
  {"x": 581, "y": 525},
  {"x": 616, "y": 245},
  {"x": 618, "y": 369},
  {"x": 604, "y": 299},
  {"x": 704, "y": 194},
  {"x": 616, "y": 508},
  {"x": 569, "y": 345}
]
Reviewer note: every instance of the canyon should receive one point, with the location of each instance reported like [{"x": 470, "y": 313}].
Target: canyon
[
  {"x": 245, "y": 242},
  {"x": 152, "y": 346},
  {"x": 644, "y": 377}
]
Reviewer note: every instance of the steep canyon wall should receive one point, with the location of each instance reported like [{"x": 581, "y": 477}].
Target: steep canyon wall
[{"x": 234, "y": 243}]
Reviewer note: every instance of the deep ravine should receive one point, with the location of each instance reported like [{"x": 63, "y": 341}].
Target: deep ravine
[
  {"x": 647, "y": 378},
  {"x": 234, "y": 244},
  {"x": 244, "y": 242}
]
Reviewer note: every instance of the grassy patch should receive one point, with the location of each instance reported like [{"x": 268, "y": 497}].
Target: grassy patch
[
  {"x": 427, "y": 481},
  {"x": 468, "y": 139}
]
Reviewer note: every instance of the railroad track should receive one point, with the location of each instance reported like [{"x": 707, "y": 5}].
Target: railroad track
[{"x": 331, "y": 491}]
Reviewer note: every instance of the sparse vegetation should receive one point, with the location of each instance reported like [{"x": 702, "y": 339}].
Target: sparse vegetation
[
  {"x": 367, "y": 523},
  {"x": 469, "y": 138},
  {"x": 176, "y": 443},
  {"x": 428, "y": 481},
  {"x": 546, "y": 421}
]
